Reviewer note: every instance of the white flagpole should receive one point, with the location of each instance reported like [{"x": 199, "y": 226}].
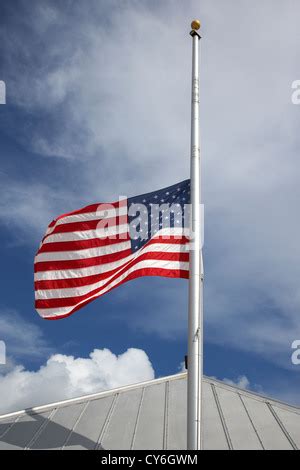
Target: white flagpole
[{"x": 195, "y": 331}]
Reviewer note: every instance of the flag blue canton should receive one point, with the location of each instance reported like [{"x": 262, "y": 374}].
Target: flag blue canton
[{"x": 151, "y": 212}]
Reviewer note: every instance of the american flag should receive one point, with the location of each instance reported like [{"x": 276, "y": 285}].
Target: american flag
[{"x": 86, "y": 253}]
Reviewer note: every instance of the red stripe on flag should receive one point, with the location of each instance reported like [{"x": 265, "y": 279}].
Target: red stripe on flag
[
  {"x": 69, "y": 301},
  {"x": 80, "y": 263},
  {"x": 89, "y": 225},
  {"x": 86, "y": 280},
  {"x": 93, "y": 208},
  {"x": 90, "y": 208},
  {"x": 174, "y": 273},
  {"x": 83, "y": 244}
]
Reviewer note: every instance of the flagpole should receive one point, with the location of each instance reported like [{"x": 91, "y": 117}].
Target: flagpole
[{"x": 195, "y": 317}]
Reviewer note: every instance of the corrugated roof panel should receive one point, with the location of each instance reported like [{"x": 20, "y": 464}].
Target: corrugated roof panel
[
  {"x": 214, "y": 436},
  {"x": 241, "y": 432},
  {"x": 19, "y": 435},
  {"x": 58, "y": 428},
  {"x": 87, "y": 431},
  {"x": 265, "y": 424},
  {"x": 290, "y": 420},
  {"x": 5, "y": 425},
  {"x": 152, "y": 415},
  {"x": 149, "y": 432},
  {"x": 176, "y": 422},
  {"x": 120, "y": 429}
]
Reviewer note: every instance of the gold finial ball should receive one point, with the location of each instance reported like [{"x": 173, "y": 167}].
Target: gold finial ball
[{"x": 195, "y": 24}]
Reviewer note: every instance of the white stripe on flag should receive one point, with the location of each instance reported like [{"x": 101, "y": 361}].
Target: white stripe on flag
[
  {"x": 102, "y": 214},
  {"x": 82, "y": 290},
  {"x": 161, "y": 264},
  {"x": 105, "y": 267},
  {"x": 82, "y": 254},
  {"x": 86, "y": 234}
]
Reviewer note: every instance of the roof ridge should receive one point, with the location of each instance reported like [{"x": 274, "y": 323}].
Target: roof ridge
[
  {"x": 147, "y": 383},
  {"x": 253, "y": 394},
  {"x": 95, "y": 395}
]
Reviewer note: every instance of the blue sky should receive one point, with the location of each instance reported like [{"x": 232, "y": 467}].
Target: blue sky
[{"x": 98, "y": 102}]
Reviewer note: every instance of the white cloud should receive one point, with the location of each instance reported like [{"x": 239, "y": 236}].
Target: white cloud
[
  {"x": 120, "y": 93},
  {"x": 22, "y": 338},
  {"x": 66, "y": 377},
  {"x": 26, "y": 208},
  {"x": 241, "y": 382},
  {"x": 278, "y": 389}
]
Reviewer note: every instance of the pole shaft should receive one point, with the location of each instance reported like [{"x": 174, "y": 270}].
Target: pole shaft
[{"x": 195, "y": 330}]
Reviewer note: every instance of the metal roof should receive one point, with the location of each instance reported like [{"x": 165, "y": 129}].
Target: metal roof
[{"x": 152, "y": 415}]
